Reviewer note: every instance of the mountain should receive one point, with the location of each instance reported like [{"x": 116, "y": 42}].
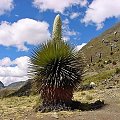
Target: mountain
[
  {"x": 16, "y": 85},
  {"x": 30, "y": 87},
  {"x": 104, "y": 49},
  {"x": 11, "y": 88},
  {"x": 1, "y": 85}
]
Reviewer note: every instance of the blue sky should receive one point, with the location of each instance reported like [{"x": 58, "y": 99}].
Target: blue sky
[{"x": 26, "y": 23}]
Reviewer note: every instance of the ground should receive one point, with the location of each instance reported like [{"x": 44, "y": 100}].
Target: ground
[{"x": 21, "y": 108}]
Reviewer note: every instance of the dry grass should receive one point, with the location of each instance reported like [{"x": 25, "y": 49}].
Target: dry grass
[{"x": 16, "y": 107}]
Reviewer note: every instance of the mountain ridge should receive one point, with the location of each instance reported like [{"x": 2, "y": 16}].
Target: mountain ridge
[
  {"x": 1, "y": 85},
  {"x": 16, "y": 85}
]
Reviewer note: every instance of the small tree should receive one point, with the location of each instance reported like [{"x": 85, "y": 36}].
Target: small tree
[{"x": 58, "y": 69}]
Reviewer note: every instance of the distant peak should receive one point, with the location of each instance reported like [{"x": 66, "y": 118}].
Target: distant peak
[{"x": 1, "y": 85}]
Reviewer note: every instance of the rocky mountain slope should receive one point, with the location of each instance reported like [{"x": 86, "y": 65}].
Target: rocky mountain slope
[
  {"x": 104, "y": 49},
  {"x": 11, "y": 88},
  {"x": 102, "y": 56},
  {"x": 16, "y": 85},
  {"x": 1, "y": 85}
]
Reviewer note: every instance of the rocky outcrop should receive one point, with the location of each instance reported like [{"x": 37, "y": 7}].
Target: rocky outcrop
[{"x": 1, "y": 85}]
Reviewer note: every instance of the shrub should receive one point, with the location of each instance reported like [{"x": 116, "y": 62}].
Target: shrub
[
  {"x": 107, "y": 62},
  {"x": 114, "y": 62},
  {"x": 89, "y": 97},
  {"x": 83, "y": 93},
  {"x": 117, "y": 70},
  {"x": 101, "y": 65},
  {"x": 100, "y": 60},
  {"x": 111, "y": 53}
]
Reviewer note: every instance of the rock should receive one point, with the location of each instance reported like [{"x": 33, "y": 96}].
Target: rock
[
  {"x": 1, "y": 85},
  {"x": 92, "y": 85},
  {"x": 109, "y": 87},
  {"x": 55, "y": 115}
]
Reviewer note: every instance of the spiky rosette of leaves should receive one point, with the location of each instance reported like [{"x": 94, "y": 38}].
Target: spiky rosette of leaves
[{"x": 56, "y": 65}]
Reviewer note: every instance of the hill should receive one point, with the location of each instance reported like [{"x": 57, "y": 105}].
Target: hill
[
  {"x": 29, "y": 88},
  {"x": 16, "y": 85},
  {"x": 11, "y": 88},
  {"x": 103, "y": 58},
  {"x": 104, "y": 49}
]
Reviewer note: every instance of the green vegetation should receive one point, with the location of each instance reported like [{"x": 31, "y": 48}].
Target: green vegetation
[
  {"x": 117, "y": 71},
  {"x": 99, "y": 77}
]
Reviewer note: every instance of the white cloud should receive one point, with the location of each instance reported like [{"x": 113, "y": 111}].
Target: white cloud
[
  {"x": 13, "y": 70},
  {"x": 5, "y": 61},
  {"x": 100, "y": 10},
  {"x": 78, "y": 47},
  {"x": 23, "y": 31},
  {"x": 65, "y": 22},
  {"x": 74, "y": 15},
  {"x": 57, "y": 5},
  {"x": 6, "y": 6},
  {"x": 67, "y": 32}
]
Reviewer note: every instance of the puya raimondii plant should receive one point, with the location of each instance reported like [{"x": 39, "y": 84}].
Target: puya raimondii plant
[{"x": 57, "y": 67}]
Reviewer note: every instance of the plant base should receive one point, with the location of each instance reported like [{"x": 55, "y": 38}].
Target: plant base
[{"x": 73, "y": 105}]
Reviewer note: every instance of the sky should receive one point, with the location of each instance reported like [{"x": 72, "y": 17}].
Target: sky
[{"x": 24, "y": 24}]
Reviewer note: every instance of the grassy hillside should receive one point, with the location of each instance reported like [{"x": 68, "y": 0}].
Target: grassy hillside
[
  {"x": 29, "y": 88},
  {"x": 103, "y": 58},
  {"x": 104, "y": 49}
]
